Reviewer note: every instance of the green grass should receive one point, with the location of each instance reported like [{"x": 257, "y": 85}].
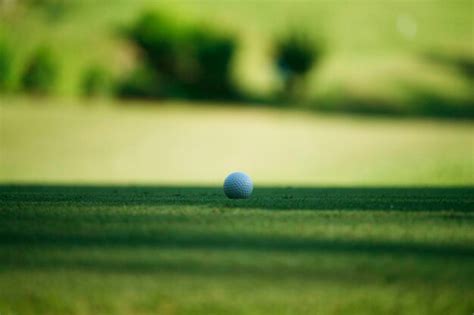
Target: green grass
[
  {"x": 189, "y": 250},
  {"x": 181, "y": 143},
  {"x": 350, "y": 214}
]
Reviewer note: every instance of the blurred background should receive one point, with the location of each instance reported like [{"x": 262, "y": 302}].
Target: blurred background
[
  {"x": 310, "y": 92},
  {"x": 120, "y": 119}
]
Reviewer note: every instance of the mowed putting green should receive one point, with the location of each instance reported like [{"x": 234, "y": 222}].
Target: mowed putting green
[
  {"x": 189, "y": 250},
  {"x": 108, "y": 209}
]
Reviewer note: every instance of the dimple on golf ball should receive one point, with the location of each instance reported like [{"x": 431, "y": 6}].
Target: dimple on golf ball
[{"x": 238, "y": 185}]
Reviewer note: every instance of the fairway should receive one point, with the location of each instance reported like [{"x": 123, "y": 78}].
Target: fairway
[
  {"x": 189, "y": 250},
  {"x": 118, "y": 208}
]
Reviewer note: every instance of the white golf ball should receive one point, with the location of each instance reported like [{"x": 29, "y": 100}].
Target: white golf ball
[{"x": 238, "y": 185}]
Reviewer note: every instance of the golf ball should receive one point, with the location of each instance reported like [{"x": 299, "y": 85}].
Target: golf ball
[{"x": 238, "y": 185}]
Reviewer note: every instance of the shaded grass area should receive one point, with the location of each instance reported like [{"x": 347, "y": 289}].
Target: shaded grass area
[
  {"x": 188, "y": 250},
  {"x": 269, "y": 198}
]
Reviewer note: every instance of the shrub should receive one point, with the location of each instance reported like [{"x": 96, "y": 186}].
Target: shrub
[
  {"x": 212, "y": 57},
  {"x": 462, "y": 61},
  {"x": 41, "y": 72},
  {"x": 190, "y": 61},
  {"x": 158, "y": 39},
  {"x": 295, "y": 55},
  {"x": 95, "y": 81},
  {"x": 6, "y": 58},
  {"x": 140, "y": 83}
]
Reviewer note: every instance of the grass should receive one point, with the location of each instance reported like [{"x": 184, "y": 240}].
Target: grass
[
  {"x": 375, "y": 215},
  {"x": 180, "y": 143},
  {"x": 188, "y": 250}
]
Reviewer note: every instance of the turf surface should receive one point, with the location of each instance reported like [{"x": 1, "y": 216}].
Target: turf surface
[
  {"x": 396, "y": 238},
  {"x": 54, "y": 141},
  {"x": 188, "y": 250}
]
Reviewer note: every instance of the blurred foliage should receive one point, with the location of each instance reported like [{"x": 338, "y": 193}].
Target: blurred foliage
[
  {"x": 295, "y": 55},
  {"x": 191, "y": 61},
  {"x": 212, "y": 54},
  {"x": 140, "y": 83},
  {"x": 419, "y": 101},
  {"x": 41, "y": 72},
  {"x": 462, "y": 61},
  {"x": 96, "y": 81},
  {"x": 6, "y": 59},
  {"x": 175, "y": 57},
  {"x": 54, "y": 10}
]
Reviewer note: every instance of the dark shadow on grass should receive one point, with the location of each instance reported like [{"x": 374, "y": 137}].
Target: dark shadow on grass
[
  {"x": 39, "y": 221},
  {"x": 269, "y": 198},
  {"x": 179, "y": 239},
  {"x": 364, "y": 271},
  {"x": 355, "y": 262}
]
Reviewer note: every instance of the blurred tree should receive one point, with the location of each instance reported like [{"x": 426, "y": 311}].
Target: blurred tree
[
  {"x": 212, "y": 56},
  {"x": 159, "y": 40},
  {"x": 41, "y": 72},
  {"x": 295, "y": 55},
  {"x": 6, "y": 58},
  {"x": 189, "y": 61}
]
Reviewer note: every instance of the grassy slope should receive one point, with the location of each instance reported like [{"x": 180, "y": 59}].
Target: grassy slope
[
  {"x": 51, "y": 141},
  {"x": 188, "y": 250},
  {"x": 366, "y": 53}
]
